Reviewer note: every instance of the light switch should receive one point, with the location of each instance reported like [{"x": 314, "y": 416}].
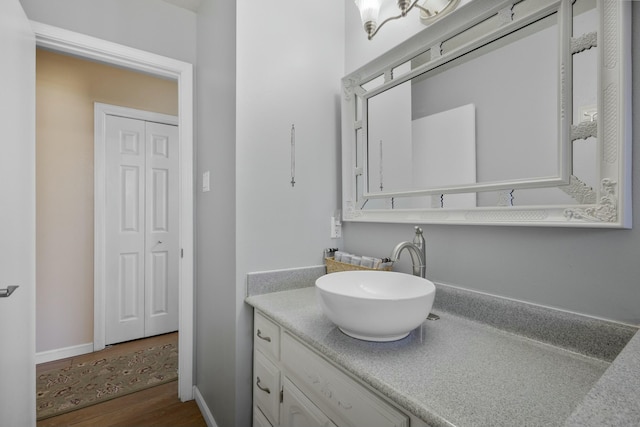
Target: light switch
[{"x": 205, "y": 182}]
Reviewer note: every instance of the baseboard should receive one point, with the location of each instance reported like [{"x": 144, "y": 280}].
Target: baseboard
[
  {"x": 62, "y": 353},
  {"x": 206, "y": 413}
]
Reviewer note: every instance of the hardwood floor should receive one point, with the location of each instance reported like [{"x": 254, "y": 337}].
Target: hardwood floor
[{"x": 156, "y": 406}]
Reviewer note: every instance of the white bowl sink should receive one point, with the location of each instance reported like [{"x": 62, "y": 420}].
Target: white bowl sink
[{"x": 375, "y": 305}]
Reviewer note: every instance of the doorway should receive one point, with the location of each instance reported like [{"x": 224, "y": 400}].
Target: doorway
[
  {"x": 64, "y": 41},
  {"x": 136, "y": 224}
]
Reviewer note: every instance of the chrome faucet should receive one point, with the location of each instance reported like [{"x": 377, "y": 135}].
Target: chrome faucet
[{"x": 416, "y": 250}]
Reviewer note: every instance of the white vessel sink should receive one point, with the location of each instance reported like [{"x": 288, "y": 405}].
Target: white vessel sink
[{"x": 375, "y": 305}]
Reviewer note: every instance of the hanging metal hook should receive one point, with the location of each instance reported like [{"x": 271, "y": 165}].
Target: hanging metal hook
[
  {"x": 293, "y": 155},
  {"x": 6, "y": 293}
]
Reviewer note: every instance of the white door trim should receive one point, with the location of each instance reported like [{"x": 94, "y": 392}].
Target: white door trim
[
  {"x": 101, "y": 111},
  {"x": 61, "y": 40}
]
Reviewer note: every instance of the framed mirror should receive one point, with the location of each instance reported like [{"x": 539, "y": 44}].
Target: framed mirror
[{"x": 503, "y": 112}]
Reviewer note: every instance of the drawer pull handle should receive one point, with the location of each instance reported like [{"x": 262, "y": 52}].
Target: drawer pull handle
[
  {"x": 265, "y": 389},
  {"x": 267, "y": 339}
]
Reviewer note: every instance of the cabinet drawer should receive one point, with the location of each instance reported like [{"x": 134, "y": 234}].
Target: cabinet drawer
[
  {"x": 266, "y": 387},
  {"x": 266, "y": 336},
  {"x": 346, "y": 402}
]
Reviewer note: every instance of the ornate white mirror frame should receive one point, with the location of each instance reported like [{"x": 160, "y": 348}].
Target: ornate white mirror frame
[{"x": 474, "y": 25}]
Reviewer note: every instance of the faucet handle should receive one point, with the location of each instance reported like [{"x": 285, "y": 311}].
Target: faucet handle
[{"x": 418, "y": 239}]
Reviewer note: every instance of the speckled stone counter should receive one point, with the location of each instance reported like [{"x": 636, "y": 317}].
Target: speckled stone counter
[
  {"x": 615, "y": 399},
  {"x": 453, "y": 371}
]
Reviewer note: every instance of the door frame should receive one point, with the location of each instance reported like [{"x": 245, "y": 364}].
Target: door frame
[
  {"x": 100, "y": 112},
  {"x": 81, "y": 45}
]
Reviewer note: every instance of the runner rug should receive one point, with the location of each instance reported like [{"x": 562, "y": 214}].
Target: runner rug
[{"x": 66, "y": 389}]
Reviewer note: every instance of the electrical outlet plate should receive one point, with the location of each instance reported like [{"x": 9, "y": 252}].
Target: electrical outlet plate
[{"x": 336, "y": 228}]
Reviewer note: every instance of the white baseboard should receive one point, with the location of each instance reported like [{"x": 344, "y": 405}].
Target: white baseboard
[
  {"x": 206, "y": 413},
  {"x": 62, "y": 353}
]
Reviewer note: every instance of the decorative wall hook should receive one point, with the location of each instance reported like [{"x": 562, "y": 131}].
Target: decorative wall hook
[
  {"x": 293, "y": 155},
  {"x": 381, "y": 174}
]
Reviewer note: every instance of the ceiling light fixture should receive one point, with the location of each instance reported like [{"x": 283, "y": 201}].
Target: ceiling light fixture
[{"x": 430, "y": 10}]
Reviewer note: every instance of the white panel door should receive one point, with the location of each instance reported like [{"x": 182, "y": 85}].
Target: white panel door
[
  {"x": 161, "y": 277},
  {"x": 141, "y": 229},
  {"x": 124, "y": 229},
  {"x": 17, "y": 217}
]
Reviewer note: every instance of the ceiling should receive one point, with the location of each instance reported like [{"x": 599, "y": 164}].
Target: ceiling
[{"x": 186, "y": 4}]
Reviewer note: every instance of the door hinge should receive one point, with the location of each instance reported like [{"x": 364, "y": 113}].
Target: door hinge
[
  {"x": 181, "y": 253},
  {"x": 282, "y": 395}
]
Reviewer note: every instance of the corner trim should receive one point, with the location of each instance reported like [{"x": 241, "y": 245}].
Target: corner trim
[{"x": 206, "y": 413}]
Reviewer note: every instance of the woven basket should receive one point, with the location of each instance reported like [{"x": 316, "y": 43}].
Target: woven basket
[{"x": 334, "y": 266}]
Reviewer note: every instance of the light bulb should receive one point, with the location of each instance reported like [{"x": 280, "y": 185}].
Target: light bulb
[{"x": 369, "y": 10}]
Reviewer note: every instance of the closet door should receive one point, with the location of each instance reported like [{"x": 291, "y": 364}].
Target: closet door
[
  {"x": 161, "y": 263},
  {"x": 141, "y": 236},
  {"x": 125, "y": 229}
]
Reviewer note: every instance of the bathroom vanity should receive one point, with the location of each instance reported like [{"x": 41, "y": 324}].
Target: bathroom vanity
[
  {"x": 294, "y": 385},
  {"x": 486, "y": 361}
]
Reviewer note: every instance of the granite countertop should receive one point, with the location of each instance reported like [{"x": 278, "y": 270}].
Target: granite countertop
[{"x": 460, "y": 371}]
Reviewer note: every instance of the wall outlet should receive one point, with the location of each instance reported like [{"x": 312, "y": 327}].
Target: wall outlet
[{"x": 336, "y": 227}]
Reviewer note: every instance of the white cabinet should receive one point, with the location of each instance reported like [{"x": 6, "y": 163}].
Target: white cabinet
[
  {"x": 266, "y": 386},
  {"x": 266, "y": 368},
  {"x": 294, "y": 386}
]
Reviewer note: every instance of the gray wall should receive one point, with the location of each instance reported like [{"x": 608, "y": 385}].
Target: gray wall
[
  {"x": 594, "y": 272},
  {"x": 254, "y": 80},
  {"x": 252, "y": 84},
  {"x": 216, "y": 352},
  {"x": 288, "y": 72}
]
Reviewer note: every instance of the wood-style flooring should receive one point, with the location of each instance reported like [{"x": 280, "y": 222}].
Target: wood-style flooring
[{"x": 155, "y": 406}]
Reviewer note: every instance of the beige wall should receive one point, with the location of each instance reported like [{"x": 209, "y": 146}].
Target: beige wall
[{"x": 66, "y": 89}]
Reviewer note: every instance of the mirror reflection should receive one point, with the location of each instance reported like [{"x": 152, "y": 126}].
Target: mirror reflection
[{"x": 489, "y": 116}]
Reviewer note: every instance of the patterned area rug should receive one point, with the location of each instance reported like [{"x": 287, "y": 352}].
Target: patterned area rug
[{"x": 83, "y": 384}]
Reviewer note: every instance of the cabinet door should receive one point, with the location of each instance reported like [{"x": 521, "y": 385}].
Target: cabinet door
[
  {"x": 266, "y": 387},
  {"x": 259, "y": 420},
  {"x": 298, "y": 411}
]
